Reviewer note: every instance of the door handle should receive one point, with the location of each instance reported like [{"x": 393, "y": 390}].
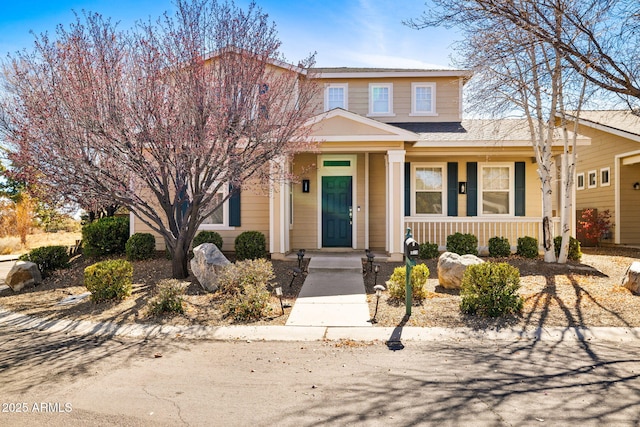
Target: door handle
[{"x": 350, "y": 215}]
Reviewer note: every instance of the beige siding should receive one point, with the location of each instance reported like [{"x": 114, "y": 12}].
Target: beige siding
[
  {"x": 629, "y": 200},
  {"x": 359, "y": 208},
  {"x": 305, "y": 205},
  {"x": 447, "y": 98},
  {"x": 377, "y": 202}
]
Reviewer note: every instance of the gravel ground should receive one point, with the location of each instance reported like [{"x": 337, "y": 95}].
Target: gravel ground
[{"x": 576, "y": 294}]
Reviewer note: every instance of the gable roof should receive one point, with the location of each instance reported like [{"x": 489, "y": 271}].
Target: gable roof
[
  {"x": 354, "y": 127},
  {"x": 618, "y": 122},
  {"x": 480, "y": 132}
]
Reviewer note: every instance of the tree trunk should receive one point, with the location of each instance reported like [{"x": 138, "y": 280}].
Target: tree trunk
[
  {"x": 547, "y": 221},
  {"x": 179, "y": 260}
]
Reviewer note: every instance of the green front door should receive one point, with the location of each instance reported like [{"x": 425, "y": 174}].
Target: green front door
[{"x": 336, "y": 211}]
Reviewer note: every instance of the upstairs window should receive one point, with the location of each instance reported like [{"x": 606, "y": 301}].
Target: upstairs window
[
  {"x": 423, "y": 99},
  {"x": 335, "y": 96},
  {"x": 380, "y": 99}
]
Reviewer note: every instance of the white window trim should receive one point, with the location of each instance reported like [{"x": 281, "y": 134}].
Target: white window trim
[
  {"x": 415, "y": 166},
  {"x": 345, "y": 86},
  {"x": 608, "y": 182},
  {"x": 593, "y": 173},
  {"x": 225, "y": 215},
  {"x": 512, "y": 179},
  {"x": 578, "y": 186},
  {"x": 388, "y": 113},
  {"x": 414, "y": 110}
]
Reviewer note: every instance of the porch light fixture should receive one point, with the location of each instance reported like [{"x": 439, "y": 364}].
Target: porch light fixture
[
  {"x": 378, "y": 289},
  {"x": 306, "y": 185},
  {"x": 636, "y": 186},
  {"x": 462, "y": 188}
]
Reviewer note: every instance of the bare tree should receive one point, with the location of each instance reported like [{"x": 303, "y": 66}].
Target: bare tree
[
  {"x": 516, "y": 72},
  {"x": 162, "y": 119}
]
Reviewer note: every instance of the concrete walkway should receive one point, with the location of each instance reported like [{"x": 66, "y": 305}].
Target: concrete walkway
[{"x": 333, "y": 293}]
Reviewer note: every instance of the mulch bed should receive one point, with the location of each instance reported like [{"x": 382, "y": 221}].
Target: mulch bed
[{"x": 583, "y": 294}]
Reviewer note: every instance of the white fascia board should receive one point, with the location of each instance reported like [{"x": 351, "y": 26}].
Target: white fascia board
[
  {"x": 397, "y": 133},
  {"x": 488, "y": 144},
  {"x": 393, "y": 74}
]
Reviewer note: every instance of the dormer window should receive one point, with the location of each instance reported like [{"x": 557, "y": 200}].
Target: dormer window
[
  {"x": 335, "y": 96},
  {"x": 423, "y": 99},
  {"x": 381, "y": 99}
]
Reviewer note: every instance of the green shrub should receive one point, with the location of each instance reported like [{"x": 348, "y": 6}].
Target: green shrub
[
  {"x": 429, "y": 251},
  {"x": 48, "y": 258},
  {"x": 105, "y": 236},
  {"x": 491, "y": 289},
  {"x": 499, "y": 247},
  {"x": 140, "y": 246},
  {"x": 462, "y": 244},
  {"x": 109, "y": 280},
  {"x": 250, "y": 245},
  {"x": 169, "y": 298},
  {"x": 397, "y": 282},
  {"x": 208, "y": 237},
  {"x": 575, "y": 254},
  {"x": 244, "y": 285},
  {"x": 527, "y": 247}
]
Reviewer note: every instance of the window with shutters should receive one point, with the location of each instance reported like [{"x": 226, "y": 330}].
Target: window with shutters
[
  {"x": 429, "y": 196},
  {"x": 219, "y": 219},
  {"x": 496, "y": 190}
]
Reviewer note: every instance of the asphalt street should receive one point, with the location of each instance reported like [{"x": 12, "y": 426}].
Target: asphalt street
[{"x": 63, "y": 379}]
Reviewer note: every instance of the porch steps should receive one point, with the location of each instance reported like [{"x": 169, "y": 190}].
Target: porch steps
[{"x": 333, "y": 293}]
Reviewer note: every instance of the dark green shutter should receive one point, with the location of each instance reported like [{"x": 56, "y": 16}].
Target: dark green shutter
[
  {"x": 407, "y": 189},
  {"x": 472, "y": 189},
  {"x": 520, "y": 189},
  {"x": 234, "y": 207},
  {"x": 452, "y": 189}
]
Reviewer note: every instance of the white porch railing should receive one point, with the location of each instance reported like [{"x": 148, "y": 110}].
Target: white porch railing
[{"x": 436, "y": 229}]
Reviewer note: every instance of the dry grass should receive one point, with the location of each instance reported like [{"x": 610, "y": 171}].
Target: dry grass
[{"x": 10, "y": 245}]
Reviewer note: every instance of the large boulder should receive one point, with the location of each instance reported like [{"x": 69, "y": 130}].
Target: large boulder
[
  {"x": 632, "y": 279},
  {"x": 23, "y": 273},
  {"x": 451, "y": 268},
  {"x": 206, "y": 265}
]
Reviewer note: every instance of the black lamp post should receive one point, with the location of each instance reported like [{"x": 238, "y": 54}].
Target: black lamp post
[
  {"x": 370, "y": 258},
  {"x": 300, "y": 254},
  {"x": 278, "y": 290},
  {"x": 376, "y": 269},
  {"x": 295, "y": 271}
]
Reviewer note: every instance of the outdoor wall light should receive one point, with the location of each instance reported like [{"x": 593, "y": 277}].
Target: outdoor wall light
[
  {"x": 378, "y": 289},
  {"x": 462, "y": 188},
  {"x": 306, "y": 185},
  {"x": 636, "y": 186}
]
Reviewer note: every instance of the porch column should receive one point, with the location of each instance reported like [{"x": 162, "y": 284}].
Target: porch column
[
  {"x": 278, "y": 209},
  {"x": 395, "y": 204}
]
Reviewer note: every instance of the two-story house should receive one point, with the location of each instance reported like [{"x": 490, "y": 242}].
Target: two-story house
[{"x": 394, "y": 152}]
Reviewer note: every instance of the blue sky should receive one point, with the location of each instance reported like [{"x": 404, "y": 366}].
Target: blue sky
[{"x": 355, "y": 33}]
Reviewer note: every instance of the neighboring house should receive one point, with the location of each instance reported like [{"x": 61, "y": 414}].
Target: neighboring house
[
  {"x": 608, "y": 171},
  {"x": 395, "y": 152}
]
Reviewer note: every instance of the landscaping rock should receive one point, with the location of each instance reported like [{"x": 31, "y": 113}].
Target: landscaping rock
[
  {"x": 23, "y": 273},
  {"x": 632, "y": 279},
  {"x": 451, "y": 268},
  {"x": 206, "y": 264}
]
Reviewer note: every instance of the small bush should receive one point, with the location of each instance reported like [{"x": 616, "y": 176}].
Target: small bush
[
  {"x": 250, "y": 245},
  {"x": 244, "y": 285},
  {"x": 462, "y": 244},
  {"x": 48, "y": 258},
  {"x": 208, "y": 237},
  {"x": 9, "y": 245},
  {"x": 105, "y": 236},
  {"x": 499, "y": 247},
  {"x": 491, "y": 289},
  {"x": 575, "y": 254},
  {"x": 140, "y": 246},
  {"x": 109, "y": 280},
  {"x": 527, "y": 247},
  {"x": 397, "y": 282},
  {"x": 169, "y": 298},
  {"x": 429, "y": 251}
]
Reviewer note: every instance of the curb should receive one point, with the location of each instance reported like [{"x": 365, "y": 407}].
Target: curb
[{"x": 317, "y": 333}]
